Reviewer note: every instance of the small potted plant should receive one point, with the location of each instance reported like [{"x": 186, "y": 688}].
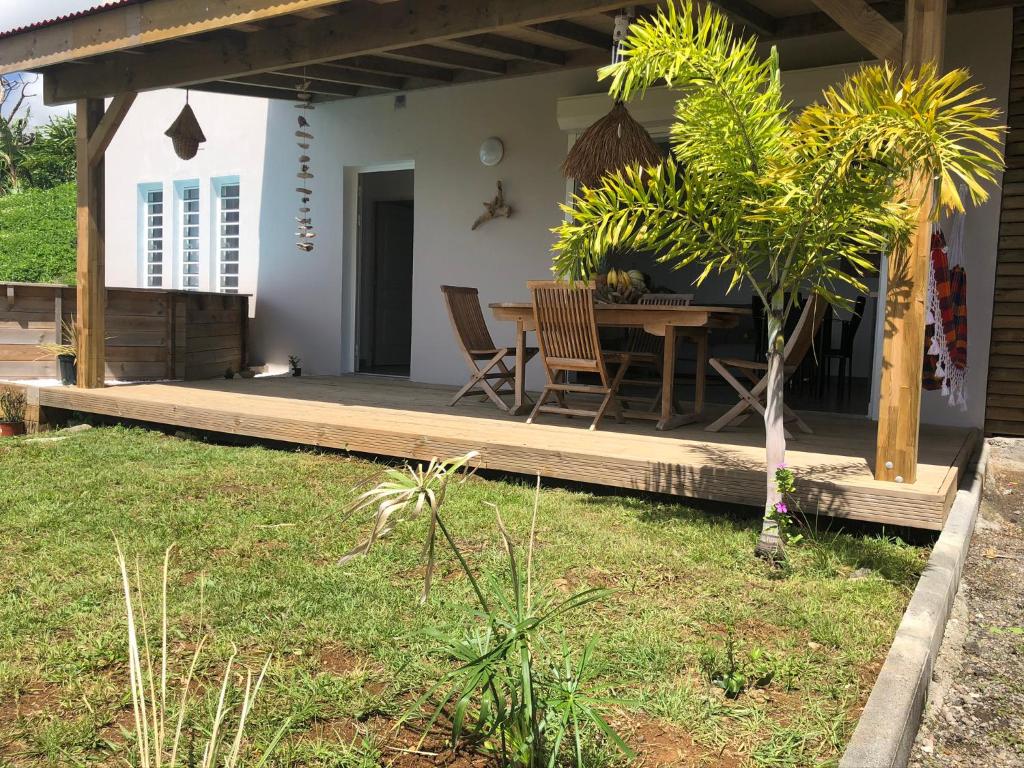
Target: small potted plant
[
  {"x": 66, "y": 354},
  {"x": 295, "y": 365},
  {"x": 12, "y": 413}
]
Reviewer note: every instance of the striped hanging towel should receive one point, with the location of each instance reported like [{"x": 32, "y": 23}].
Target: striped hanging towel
[{"x": 945, "y": 362}]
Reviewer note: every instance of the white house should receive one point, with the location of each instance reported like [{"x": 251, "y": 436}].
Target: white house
[{"x": 226, "y": 219}]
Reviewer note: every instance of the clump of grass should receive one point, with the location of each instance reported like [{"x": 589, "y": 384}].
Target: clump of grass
[{"x": 158, "y": 732}]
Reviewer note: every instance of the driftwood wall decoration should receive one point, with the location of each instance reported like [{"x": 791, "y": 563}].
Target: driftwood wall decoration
[
  {"x": 496, "y": 209},
  {"x": 304, "y": 138}
]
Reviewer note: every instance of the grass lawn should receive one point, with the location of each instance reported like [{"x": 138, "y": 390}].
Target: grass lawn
[{"x": 258, "y": 534}]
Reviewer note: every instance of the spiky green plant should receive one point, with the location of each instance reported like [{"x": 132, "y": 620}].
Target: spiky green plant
[
  {"x": 513, "y": 691},
  {"x": 779, "y": 201},
  {"x": 407, "y": 492}
]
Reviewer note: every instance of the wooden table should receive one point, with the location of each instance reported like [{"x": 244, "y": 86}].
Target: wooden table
[{"x": 692, "y": 322}]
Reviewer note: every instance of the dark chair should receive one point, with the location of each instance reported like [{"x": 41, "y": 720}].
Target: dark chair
[{"x": 844, "y": 352}]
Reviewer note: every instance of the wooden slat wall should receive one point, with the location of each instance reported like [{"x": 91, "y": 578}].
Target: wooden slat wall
[
  {"x": 151, "y": 334},
  {"x": 1004, "y": 408}
]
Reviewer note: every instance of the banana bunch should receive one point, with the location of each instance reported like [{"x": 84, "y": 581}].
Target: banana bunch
[{"x": 622, "y": 287}]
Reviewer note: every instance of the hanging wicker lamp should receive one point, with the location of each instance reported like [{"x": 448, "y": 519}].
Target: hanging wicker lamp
[
  {"x": 616, "y": 140},
  {"x": 185, "y": 133},
  {"x": 611, "y": 144}
]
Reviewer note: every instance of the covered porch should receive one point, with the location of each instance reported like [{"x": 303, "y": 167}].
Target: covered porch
[
  {"x": 894, "y": 471},
  {"x": 396, "y": 418}
]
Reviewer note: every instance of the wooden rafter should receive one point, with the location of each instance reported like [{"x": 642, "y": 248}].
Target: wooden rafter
[
  {"x": 256, "y": 91},
  {"x": 397, "y": 67},
  {"x": 577, "y": 33},
  {"x": 865, "y": 25},
  {"x": 453, "y": 58},
  {"x": 512, "y": 47},
  {"x": 363, "y": 30},
  {"x": 749, "y": 15},
  {"x": 287, "y": 82},
  {"x": 331, "y": 73}
]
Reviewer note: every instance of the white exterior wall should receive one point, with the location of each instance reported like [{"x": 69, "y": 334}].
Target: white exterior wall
[
  {"x": 140, "y": 154},
  {"x": 305, "y": 302}
]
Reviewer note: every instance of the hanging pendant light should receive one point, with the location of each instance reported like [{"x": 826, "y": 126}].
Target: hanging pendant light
[
  {"x": 615, "y": 141},
  {"x": 185, "y": 133}
]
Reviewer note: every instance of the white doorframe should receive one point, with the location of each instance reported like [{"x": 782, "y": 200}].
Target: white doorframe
[{"x": 350, "y": 254}]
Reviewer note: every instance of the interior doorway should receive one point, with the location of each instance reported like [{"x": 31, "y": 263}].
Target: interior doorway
[{"x": 384, "y": 272}]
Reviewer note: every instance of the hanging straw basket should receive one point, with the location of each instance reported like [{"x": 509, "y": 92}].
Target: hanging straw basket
[
  {"x": 185, "y": 133},
  {"x": 612, "y": 143}
]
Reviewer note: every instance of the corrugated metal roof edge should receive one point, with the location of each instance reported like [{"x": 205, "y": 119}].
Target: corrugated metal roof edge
[{"x": 66, "y": 17}]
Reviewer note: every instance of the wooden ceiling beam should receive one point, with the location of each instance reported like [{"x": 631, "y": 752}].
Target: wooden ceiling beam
[
  {"x": 316, "y": 13},
  {"x": 136, "y": 24},
  {"x": 521, "y": 49},
  {"x": 749, "y": 15},
  {"x": 365, "y": 29},
  {"x": 867, "y": 26},
  {"x": 397, "y": 67},
  {"x": 577, "y": 33},
  {"x": 452, "y": 58},
  {"x": 256, "y": 91},
  {"x": 286, "y": 82},
  {"x": 808, "y": 24},
  {"x": 332, "y": 73}
]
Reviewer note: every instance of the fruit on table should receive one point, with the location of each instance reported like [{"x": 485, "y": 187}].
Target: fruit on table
[{"x": 622, "y": 287}]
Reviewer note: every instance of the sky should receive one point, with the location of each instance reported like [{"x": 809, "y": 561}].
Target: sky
[{"x": 17, "y": 13}]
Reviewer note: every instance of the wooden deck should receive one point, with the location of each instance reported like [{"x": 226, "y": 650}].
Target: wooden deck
[{"x": 397, "y": 418}]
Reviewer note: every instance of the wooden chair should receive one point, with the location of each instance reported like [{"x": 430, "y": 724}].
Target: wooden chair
[
  {"x": 648, "y": 349},
  {"x": 485, "y": 360},
  {"x": 797, "y": 346},
  {"x": 569, "y": 343}
]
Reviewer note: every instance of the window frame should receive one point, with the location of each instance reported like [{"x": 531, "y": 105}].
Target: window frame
[
  {"x": 142, "y": 231},
  {"x": 181, "y": 188},
  {"x": 217, "y": 236}
]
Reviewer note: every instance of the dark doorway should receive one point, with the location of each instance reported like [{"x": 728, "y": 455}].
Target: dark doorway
[{"x": 385, "y": 272}]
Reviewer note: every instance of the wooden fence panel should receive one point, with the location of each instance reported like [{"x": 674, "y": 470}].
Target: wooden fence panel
[{"x": 151, "y": 334}]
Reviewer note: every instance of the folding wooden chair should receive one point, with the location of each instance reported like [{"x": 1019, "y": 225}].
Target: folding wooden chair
[
  {"x": 799, "y": 343},
  {"x": 485, "y": 360},
  {"x": 569, "y": 343},
  {"x": 648, "y": 350}
]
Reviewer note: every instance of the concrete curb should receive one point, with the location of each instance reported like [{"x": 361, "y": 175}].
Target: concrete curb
[{"x": 886, "y": 730}]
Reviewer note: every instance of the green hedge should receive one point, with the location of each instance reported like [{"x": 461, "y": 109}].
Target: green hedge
[{"x": 37, "y": 235}]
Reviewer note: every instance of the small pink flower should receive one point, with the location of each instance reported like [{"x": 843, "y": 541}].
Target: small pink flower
[
  {"x": 781, "y": 508},
  {"x": 782, "y": 466}
]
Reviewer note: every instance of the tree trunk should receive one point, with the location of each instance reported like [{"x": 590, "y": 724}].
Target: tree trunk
[{"x": 770, "y": 544}]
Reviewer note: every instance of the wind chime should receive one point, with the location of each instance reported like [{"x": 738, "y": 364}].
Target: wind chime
[
  {"x": 303, "y": 136},
  {"x": 616, "y": 140}
]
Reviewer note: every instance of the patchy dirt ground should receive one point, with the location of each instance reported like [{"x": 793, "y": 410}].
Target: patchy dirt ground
[{"x": 975, "y": 711}]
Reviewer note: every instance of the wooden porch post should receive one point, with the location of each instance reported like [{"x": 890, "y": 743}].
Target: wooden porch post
[
  {"x": 899, "y": 402},
  {"x": 91, "y": 271},
  {"x": 95, "y": 130}
]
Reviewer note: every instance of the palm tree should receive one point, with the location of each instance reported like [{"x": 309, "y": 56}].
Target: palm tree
[{"x": 781, "y": 202}]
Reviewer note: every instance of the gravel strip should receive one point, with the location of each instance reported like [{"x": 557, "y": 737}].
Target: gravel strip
[{"x": 975, "y": 711}]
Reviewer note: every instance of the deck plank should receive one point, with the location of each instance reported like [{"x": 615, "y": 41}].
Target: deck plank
[{"x": 401, "y": 419}]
